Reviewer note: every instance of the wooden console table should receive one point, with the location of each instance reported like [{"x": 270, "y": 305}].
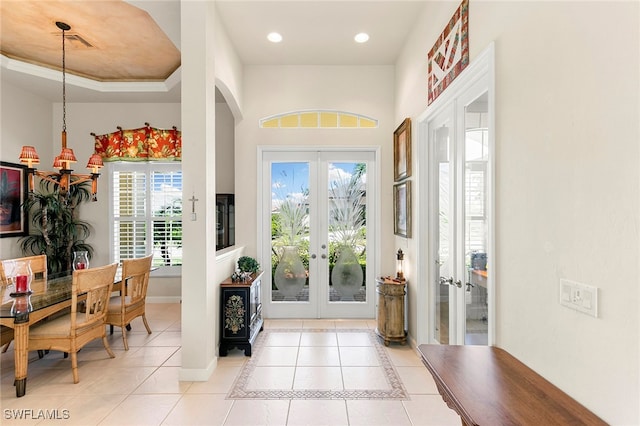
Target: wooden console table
[{"x": 486, "y": 385}]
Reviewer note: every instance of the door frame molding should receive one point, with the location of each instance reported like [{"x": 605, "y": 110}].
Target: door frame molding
[
  {"x": 481, "y": 67},
  {"x": 376, "y": 250}
]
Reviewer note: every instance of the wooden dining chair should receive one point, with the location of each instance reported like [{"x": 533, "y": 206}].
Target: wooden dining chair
[
  {"x": 71, "y": 332},
  {"x": 6, "y": 333},
  {"x": 38, "y": 266},
  {"x": 131, "y": 302},
  {"x": 6, "y": 337},
  {"x": 3, "y": 276},
  {"x": 39, "y": 269}
]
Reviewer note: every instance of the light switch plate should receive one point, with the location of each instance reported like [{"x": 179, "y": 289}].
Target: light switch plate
[{"x": 578, "y": 296}]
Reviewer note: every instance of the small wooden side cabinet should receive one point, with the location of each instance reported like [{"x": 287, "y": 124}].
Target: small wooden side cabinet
[
  {"x": 390, "y": 326},
  {"x": 240, "y": 314}
]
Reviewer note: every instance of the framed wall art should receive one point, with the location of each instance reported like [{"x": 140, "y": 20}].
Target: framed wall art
[
  {"x": 402, "y": 209},
  {"x": 402, "y": 151},
  {"x": 450, "y": 53},
  {"x": 13, "y": 193}
]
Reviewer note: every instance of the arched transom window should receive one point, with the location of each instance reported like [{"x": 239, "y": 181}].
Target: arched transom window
[{"x": 313, "y": 119}]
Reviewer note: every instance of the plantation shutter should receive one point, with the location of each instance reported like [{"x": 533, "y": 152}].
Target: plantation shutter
[
  {"x": 130, "y": 210},
  {"x": 147, "y": 212}
]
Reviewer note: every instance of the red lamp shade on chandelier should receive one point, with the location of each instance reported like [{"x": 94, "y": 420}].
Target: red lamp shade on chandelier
[
  {"x": 63, "y": 178},
  {"x": 29, "y": 156}
]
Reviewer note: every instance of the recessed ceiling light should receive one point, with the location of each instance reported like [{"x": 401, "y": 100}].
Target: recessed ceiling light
[
  {"x": 361, "y": 37},
  {"x": 274, "y": 37}
]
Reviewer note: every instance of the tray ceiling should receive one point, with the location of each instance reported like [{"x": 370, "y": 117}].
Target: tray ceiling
[{"x": 108, "y": 41}]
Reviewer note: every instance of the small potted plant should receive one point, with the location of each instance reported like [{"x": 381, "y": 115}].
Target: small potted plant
[{"x": 247, "y": 265}]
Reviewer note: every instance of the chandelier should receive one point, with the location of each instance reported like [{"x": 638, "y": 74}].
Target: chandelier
[{"x": 63, "y": 178}]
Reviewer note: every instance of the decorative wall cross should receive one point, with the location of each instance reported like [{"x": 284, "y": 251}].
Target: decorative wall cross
[{"x": 193, "y": 200}]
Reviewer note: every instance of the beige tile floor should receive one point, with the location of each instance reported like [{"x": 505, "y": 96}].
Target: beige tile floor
[{"x": 141, "y": 386}]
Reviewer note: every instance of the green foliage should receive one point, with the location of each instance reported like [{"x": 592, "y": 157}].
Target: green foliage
[
  {"x": 163, "y": 233},
  {"x": 293, "y": 219},
  {"x": 248, "y": 264},
  {"x": 347, "y": 208},
  {"x": 168, "y": 233},
  {"x": 55, "y": 228},
  {"x": 276, "y": 228}
]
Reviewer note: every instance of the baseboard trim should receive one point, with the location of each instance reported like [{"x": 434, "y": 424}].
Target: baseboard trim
[
  {"x": 198, "y": 374},
  {"x": 164, "y": 299}
]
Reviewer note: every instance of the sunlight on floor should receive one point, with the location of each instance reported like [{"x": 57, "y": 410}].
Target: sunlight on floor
[{"x": 141, "y": 386}]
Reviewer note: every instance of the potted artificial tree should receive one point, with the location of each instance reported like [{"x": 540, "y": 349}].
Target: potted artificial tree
[{"x": 56, "y": 229}]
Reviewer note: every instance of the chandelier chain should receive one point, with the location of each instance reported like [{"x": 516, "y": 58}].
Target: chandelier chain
[
  {"x": 63, "y": 178},
  {"x": 64, "y": 92}
]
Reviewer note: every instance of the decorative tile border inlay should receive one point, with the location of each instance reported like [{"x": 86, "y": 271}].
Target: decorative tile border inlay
[{"x": 396, "y": 391}]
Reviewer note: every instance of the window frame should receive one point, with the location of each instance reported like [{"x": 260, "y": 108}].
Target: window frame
[{"x": 148, "y": 168}]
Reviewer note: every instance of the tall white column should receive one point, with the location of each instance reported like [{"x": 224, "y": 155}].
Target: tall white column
[{"x": 199, "y": 305}]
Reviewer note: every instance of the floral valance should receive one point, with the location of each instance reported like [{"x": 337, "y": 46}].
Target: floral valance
[{"x": 143, "y": 144}]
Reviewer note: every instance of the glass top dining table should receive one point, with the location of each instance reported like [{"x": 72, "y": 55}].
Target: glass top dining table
[
  {"x": 19, "y": 312},
  {"x": 45, "y": 293}
]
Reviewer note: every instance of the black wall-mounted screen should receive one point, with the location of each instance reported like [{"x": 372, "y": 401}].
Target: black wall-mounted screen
[{"x": 225, "y": 221}]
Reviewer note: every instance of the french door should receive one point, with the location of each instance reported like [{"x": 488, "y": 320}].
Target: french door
[
  {"x": 318, "y": 233},
  {"x": 460, "y": 215}
]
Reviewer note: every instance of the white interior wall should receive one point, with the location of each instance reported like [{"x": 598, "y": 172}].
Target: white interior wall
[
  {"x": 228, "y": 69},
  {"x": 567, "y": 170},
  {"x": 225, "y": 141},
  {"x": 411, "y": 101},
  {"x": 200, "y": 291},
  {"x": 277, "y": 89},
  {"x": 25, "y": 119}
]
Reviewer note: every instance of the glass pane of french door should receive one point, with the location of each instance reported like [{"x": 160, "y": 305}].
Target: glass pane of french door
[
  {"x": 290, "y": 231},
  {"x": 444, "y": 262},
  {"x": 347, "y": 231},
  {"x": 476, "y": 223}
]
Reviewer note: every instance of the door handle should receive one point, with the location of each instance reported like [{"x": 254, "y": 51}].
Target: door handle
[
  {"x": 444, "y": 280},
  {"x": 313, "y": 256},
  {"x": 323, "y": 256},
  {"x": 450, "y": 281}
]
